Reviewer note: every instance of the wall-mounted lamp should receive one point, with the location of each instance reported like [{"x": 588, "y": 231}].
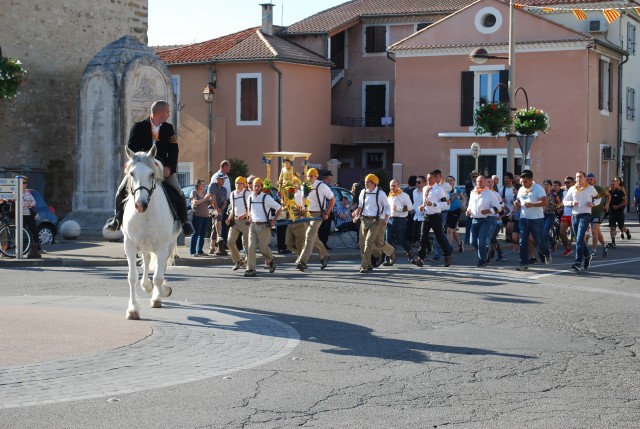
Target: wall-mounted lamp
[{"x": 209, "y": 91}]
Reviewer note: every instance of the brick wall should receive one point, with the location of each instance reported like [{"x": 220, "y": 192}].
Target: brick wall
[{"x": 55, "y": 40}]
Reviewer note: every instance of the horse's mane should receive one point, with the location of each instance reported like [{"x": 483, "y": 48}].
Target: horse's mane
[{"x": 152, "y": 163}]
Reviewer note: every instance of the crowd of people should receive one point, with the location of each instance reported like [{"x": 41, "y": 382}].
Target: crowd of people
[
  {"x": 533, "y": 216},
  {"x": 421, "y": 220}
]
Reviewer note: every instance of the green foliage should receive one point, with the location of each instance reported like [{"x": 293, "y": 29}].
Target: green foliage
[
  {"x": 528, "y": 121},
  {"x": 492, "y": 118},
  {"x": 384, "y": 180},
  {"x": 239, "y": 168},
  {"x": 11, "y": 76}
]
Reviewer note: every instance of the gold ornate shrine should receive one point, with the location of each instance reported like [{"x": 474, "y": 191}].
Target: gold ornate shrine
[{"x": 290, "y": 181}]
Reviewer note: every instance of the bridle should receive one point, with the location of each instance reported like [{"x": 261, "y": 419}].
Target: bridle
[{"x": 150, "y": 191}]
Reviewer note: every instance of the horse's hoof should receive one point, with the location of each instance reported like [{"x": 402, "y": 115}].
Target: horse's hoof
[
  {"x": 133, "y": 315},
  {"x": 169, "y": 291},
  {"x": 156, "y": 304}
]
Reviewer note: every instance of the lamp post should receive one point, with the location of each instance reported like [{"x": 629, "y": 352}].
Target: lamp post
[
  {"x": 480, "y": 56},
  {"x": 208, "y": 93}
]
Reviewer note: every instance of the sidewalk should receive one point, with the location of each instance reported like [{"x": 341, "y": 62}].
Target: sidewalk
[{"x": 86, "y": 252}]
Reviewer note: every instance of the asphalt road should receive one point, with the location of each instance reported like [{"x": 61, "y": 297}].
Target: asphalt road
[{"x": 403, "y": 347}]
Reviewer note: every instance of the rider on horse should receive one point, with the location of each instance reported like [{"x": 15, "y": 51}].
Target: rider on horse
[{"x": 144, "y": 134}]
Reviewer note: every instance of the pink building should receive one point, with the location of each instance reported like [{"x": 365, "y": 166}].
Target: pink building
[{"x": 569, "y": 74}]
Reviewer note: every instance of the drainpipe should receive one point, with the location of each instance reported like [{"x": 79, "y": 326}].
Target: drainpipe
[
  {"x": 391, "y": 56},
  {"x": 620, "y": 140},
  {"x": 272, "y": 65}
]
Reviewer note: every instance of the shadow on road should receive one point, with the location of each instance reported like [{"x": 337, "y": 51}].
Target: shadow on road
[{"x": 344, "y": 338}]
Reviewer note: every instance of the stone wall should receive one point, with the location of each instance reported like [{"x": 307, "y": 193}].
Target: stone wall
[{"x": 55, "y": 41}]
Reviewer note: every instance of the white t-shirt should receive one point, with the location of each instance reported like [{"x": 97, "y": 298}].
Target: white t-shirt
[{"x": 532, "y": 195}]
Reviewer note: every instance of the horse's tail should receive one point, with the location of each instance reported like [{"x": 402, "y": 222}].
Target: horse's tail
[{"x": 153, "y": 262}]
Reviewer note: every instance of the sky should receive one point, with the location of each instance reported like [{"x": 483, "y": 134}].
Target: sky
[{"x": 189, "y": 21}]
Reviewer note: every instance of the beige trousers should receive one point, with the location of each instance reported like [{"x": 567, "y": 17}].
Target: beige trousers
[
  {"x": 372, "y": 241},
  {"x": 310, "y": 237},
  {"x": 259, "y": 237},
  {"x": 295, "y": 237},
  {"x": 234, "y": 231}
]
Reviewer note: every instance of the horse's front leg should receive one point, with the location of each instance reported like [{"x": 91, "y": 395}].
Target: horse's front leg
[
  {"x": 147, "y": 286},
  {"x": 132, "y": 309},
  {"x": 160, "y": 290}
]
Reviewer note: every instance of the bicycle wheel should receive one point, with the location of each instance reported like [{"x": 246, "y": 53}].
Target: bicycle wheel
[{"x": 8, "y": 241}]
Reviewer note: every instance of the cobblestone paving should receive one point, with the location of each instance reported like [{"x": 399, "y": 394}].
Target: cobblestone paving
[{"x": 189, "y": 342}]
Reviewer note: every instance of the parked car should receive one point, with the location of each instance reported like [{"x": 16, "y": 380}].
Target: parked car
[
  {"x": 340, "y": 192},
  {"x": 47, "y": 222},
  {"x": 187, "y": 191}
]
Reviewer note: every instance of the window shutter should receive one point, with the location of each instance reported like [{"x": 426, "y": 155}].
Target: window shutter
[
  {"x": 610, "y": 107},
  {"x": 466, "y": 116},
  {"x": 601, "y": 85},
  {"x": 504, "y": 93},
  {"x": 369, "y": 39},
  {"x": 380, "y": 39},
  {"x": 249, "y": 99}
]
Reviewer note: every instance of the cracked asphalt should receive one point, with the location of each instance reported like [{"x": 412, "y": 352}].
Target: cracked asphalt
[{"x": 402, "y": 347}]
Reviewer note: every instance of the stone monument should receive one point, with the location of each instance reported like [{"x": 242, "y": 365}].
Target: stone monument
[{"x": 117, "y": 89}]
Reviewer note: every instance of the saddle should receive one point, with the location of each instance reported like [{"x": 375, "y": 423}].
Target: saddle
[{"x": 173, "y": 197}]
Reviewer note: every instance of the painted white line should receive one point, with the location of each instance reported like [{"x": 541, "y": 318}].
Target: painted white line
[{"x": 594, "y": 265}]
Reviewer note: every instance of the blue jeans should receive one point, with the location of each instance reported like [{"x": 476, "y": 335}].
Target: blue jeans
[
  {"x": 467, "y": 230},
  {"x": 535, "y": 227},
  {"x": 396, "y": 233},
  {"x": 549, "y": 219},
  {"x": 580, "y": 223},
  {"x": 480, "y": 237},
  {"x": 200, "y": 225}
]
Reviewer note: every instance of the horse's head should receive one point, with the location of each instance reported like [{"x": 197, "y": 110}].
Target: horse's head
[{"x": 143, "y": 172}]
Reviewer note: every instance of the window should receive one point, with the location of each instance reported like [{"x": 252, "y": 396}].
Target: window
[
  {"x": 375, "y": 39},
  {"x": 249, "y": 99},
  {"x": 631, "y": 38},
  {"x": 478, "y": 87},
  {"x": 185, "y": 173},
  {"x": 421, "y": 25},
  {"x": 631, "y": 104},
  {"x": 605, "y": 90}
]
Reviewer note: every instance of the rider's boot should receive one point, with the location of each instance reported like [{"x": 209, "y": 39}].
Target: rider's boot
[{"x": 114, "y": 223}]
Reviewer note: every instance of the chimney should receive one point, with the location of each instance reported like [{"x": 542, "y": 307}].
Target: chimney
[{"x": 267, "y": 19}]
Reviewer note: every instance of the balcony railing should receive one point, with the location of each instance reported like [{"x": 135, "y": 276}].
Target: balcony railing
[{"x": 343, "y": 121}]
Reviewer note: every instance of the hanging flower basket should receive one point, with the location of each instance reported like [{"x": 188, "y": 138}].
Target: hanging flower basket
[
  {"x": 11, "y": 76},
  {"x": 492, "y": 118},
  {"x": 528, "y": 121}
]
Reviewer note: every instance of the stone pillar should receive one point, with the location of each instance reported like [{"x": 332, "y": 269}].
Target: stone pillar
[
  {"x": 396, "y": 171},
  {"x": 333, "y": 165},
  {"x": 117, "y": 89}
]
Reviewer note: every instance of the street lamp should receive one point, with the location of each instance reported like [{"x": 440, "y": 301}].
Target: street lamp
[{"x": 480, "y": 56}]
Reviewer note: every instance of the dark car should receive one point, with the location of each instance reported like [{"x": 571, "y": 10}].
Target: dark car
[{"x": 47, "y": 221}]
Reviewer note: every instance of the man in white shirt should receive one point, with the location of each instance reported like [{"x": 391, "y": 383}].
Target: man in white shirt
[
  {"x": 433, "y": 199},
  {"x": 261, "y": 205},
  {"x": 531, "y": 201},
  {"x": 396, "y": 232},
  {"x": 373, "y": 210},
  {"x": 321, "y": 202},
  {"x": 238, "y": 221},
  {"x": 444, "y": 210},
  {"x": 507, "y": 193},
  {"x": 295, "y": 235},
  {"x": 418, "y": 216},
  {"x": 581, "y": 197},
  {"x": 482, "y": 203}
]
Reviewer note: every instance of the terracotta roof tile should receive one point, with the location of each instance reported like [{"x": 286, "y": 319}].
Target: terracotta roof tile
[
  {"x": 330, "y": 19},
  {"x": 559, "y": 2},
  {"x": 247, "y": 45}
]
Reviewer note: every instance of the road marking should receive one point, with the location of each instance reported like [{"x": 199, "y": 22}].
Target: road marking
[{"x": 598, "y": 264}]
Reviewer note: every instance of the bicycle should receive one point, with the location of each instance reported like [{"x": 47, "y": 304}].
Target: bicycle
[{"x": 8, "y": 234}]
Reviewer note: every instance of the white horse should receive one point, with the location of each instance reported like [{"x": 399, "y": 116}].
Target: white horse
[{"x": 149, "y": 228}]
